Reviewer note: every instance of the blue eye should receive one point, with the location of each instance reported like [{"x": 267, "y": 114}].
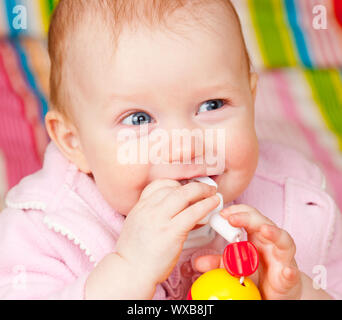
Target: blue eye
[
  {"x": 137, "y": 119},
  {"x": 211, "y": 105}
]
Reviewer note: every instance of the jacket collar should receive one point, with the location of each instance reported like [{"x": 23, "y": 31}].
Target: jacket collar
[{"x": 56, "y": 190}]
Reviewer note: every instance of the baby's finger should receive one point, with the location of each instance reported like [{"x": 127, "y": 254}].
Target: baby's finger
[
  {"x": 243, "y": 216},
  {"x": 285, "y": 247},
  {"x": 157, "y": 196},
  {"x": 158, "y": 185},
  {"x": 188, "y": 218},
  {"x": 290, "y": 277},
  {"x": 208, "y": 262},
  {"x": 182, "y": 197}
]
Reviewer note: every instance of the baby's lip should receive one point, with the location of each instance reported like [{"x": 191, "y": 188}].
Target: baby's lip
[
  {"x": 214, "y": 177},
  {"x": 185, "y": 181},
  {"x": 197, "y": 226}
]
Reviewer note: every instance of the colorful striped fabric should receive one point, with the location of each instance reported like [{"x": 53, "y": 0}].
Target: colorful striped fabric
[
  {"x": 24, "y": 69},
  {"x": 3, "y": 180},
  {"x": 38, "y": 13},
  {"x": 284, "y": 33}
]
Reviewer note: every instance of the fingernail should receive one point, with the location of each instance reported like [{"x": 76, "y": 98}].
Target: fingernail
[
  {"x": 233, "y": 217},
  {"x": 225, "y": 213},
  {"x": 265, "y": 228},
  {"x": 214, "y": 197},
  {"x": 290, "y": 272}
]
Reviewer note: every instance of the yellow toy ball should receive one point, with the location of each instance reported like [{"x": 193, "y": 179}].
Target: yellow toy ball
[{"x": 218, "y": 284}]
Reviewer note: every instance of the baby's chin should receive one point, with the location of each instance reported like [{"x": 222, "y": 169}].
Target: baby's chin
[{"x": 233, "y": 184}]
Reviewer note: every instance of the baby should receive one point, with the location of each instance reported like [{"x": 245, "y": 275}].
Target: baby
[{"x": 91, "y": 225}]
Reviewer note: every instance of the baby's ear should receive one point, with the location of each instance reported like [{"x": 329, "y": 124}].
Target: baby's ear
[
  {"x": 253, "y": 82},
  {"x": 65, "y": 135}
]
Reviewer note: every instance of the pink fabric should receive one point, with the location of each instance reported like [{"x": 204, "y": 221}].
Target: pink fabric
[{"x": 57, "y": 227}]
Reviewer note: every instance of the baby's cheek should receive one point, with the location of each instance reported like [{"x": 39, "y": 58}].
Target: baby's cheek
[
  {"x": 121, "y": 185},
  {"x": 242, "y": 150}
]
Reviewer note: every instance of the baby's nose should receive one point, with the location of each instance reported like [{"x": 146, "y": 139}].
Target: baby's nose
[
  {"x": 186, "y": 149},
  {"x": 184, "y": 145}
]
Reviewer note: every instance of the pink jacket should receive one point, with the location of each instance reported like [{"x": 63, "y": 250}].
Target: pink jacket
[{"x": 57, "y": 227}]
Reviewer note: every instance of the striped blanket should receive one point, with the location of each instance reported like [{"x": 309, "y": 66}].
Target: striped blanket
[
  {"x": 299, "y": 102},
  {"x": 24, "y": 68},
  {"x": 288, "y": 33},
  {"x": 36, "y": 12}
]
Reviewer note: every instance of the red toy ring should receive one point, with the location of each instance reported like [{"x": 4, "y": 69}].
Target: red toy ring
[{"x": 241, "y": 258}]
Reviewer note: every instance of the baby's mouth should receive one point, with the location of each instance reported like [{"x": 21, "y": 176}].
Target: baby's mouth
[
  {"x": 197, "y": 226},
  {"x": 186, "y": 181}
]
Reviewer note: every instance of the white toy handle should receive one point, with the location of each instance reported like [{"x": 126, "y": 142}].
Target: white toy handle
[{"x": 216, "y": 221}]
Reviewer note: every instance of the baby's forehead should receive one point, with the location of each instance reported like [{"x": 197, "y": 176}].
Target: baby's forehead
[
  {"x": 104, "y": 34},
  {"x": 86, "y": 34},
  {"x": 113, "y": 16}
]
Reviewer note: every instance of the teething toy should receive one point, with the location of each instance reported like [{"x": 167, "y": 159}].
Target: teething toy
[{"x": 240, "y": 259}]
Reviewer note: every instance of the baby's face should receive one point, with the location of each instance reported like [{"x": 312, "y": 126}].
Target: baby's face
[{"x": 166, "y": 82}]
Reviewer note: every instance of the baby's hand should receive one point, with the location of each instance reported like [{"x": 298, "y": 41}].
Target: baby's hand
[
  {"x": 279, "y": 277},
  {"x": 154, "y": 231}
]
